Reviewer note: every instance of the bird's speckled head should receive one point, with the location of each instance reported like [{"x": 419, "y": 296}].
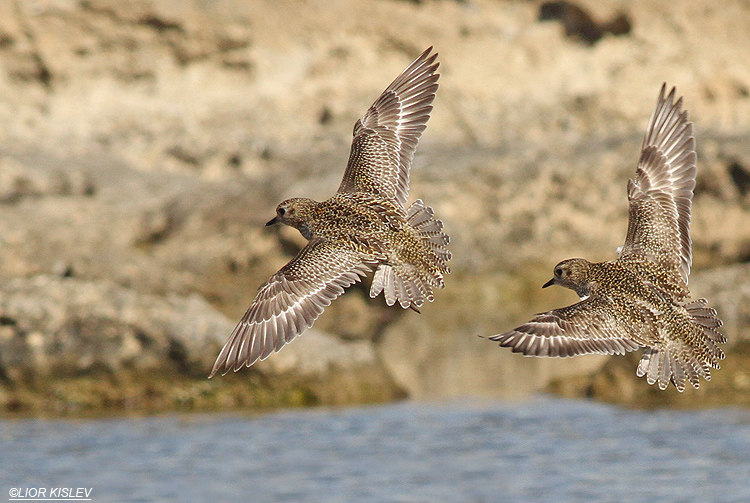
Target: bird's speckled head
[
  {"x": 295, "y": 212},
  {"x": 574, "y": 274}
]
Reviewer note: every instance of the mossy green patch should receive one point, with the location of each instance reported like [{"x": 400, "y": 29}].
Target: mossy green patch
[
  {"x": 617, "y": 383},
  {"x": 148, "y": 393}
]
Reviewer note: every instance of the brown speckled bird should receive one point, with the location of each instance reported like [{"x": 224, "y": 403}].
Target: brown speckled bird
[
  {"x": 639, "y": 299},
  {"x": 365, "y": 222}
]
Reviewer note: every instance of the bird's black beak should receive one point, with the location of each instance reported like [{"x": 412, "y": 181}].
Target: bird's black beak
[
  {"x": 272, "y": 221},
  {"x": 549, "y": 283}
]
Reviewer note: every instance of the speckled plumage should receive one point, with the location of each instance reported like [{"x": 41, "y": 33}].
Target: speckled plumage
[
  {"x": 365, "y": 222},
  {"x": 638, "y": 300}
]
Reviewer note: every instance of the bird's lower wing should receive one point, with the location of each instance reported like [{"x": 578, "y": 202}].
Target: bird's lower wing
[
  {"x": 290, "y": 302},
  {"x": 590, "y": 326}
]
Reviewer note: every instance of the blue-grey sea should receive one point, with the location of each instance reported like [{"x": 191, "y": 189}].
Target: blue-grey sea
[{"x": 542, "y": 450}]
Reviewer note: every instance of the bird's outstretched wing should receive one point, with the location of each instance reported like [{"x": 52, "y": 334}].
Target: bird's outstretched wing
[
  {"x": 386, "y": 137},
  {"x": 661, "y": 192},
  {"x": 590, "y": 326},
  {"x": 290, "y": 301}
]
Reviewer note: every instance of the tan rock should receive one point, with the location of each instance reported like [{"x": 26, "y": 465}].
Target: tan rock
[{"x": 145, "y": 143}]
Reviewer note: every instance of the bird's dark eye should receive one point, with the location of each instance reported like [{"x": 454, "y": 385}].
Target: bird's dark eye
[
  {"x": 282, "y": 211},
  {"x": 558, "y": 271}
]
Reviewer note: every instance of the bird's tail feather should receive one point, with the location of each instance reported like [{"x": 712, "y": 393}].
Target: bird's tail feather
[
  {"x": 678, "y": 361},
  {"x": 430, "y": 230},
  {"x": 412, "y": 283}
]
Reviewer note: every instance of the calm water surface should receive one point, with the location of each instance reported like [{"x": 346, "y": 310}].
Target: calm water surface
[{"x": 544, "y": 450}]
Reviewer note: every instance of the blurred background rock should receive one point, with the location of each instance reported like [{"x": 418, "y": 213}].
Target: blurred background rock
[{"x": 144, "y": 143}]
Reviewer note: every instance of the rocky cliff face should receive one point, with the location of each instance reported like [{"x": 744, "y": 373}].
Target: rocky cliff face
[{"x": 144, "y": 143}]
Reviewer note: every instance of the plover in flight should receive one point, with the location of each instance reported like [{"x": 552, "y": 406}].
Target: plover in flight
[
  {"x": 639, "y": 299},
  {"x": 365, "y": 223}
]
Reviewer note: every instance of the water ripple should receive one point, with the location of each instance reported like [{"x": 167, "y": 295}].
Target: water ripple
[{"x": 546, "y": 450}]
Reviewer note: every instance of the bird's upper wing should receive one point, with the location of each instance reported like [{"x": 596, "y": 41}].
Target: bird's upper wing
[
  {"x": 386, "y": 137},
  {"x": 590, "y": 326},
  {"x": 290, "y": 301},
  {"x": 661, "y": 192}
]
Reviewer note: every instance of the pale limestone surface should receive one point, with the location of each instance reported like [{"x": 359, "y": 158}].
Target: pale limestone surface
[{"x": 146, "y": 142}]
